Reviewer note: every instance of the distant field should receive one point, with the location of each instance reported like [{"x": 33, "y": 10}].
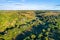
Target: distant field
[{"x": 29, "y": 25}]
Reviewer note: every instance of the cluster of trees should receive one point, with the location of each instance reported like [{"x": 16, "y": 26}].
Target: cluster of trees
[{"x": 30, "y": 25}]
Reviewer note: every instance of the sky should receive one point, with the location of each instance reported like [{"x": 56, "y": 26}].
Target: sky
[{"x": 29, "y": 4}]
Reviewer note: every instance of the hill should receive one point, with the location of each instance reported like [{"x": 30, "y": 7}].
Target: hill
[{"x": 29, "y": 25}]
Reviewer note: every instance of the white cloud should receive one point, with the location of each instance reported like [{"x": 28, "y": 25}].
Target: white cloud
[
  {"x": 21, "y": 6},
  {"x": 12, "y": 5}
]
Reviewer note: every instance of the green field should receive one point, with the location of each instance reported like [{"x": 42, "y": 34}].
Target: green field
[{"x": 29, "y": 25}]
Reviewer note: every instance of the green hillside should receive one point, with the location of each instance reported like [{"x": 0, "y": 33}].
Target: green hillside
[{"x": 29, "y": 25}]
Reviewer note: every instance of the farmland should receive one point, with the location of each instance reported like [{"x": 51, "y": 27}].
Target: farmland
[{"x": 29, "y": 25}]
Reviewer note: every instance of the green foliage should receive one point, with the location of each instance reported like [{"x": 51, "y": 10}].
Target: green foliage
[{"x": 32, "y": 25}]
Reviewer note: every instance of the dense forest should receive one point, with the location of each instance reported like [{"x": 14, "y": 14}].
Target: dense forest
[{"x": 29, "y": 25}]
